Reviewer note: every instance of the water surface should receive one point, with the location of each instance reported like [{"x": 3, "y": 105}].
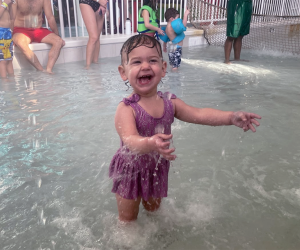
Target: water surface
[{"x": 227, "y": 189}]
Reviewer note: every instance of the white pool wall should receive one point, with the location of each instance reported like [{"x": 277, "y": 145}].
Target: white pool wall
[{"x": 75, "y": 48}]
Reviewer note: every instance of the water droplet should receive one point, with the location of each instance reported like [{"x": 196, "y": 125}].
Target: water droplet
[{"x": 38, "y": 182}]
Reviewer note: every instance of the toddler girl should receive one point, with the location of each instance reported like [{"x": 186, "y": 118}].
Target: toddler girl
[{"x": 140, "y": 167}]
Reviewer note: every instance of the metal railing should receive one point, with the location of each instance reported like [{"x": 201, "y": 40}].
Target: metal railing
[{"x": 70, "y": 22}]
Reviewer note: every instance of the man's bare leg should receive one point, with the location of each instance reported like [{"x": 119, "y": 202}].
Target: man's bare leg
[
  {"x": 99, "y": 20},
  {"x": 57, "y": 43},
  {"x": 237, "y": 47},
  {"x": 227, "y": 49},
  {"x": 23, "y": 42}
]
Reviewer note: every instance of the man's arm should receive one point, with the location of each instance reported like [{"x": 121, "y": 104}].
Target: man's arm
[{"x": 50, "y": 17}]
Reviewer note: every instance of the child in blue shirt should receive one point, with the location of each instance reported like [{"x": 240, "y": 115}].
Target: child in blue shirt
[{"x": 174, "y": 35}]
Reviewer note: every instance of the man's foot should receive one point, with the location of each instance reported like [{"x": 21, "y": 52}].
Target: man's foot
[
  {"x": 87, "y": 67},
  {"x": 227, "y": 62},
  {"x": 48, "y": 72},
  {"x": 174, "y": 69}
]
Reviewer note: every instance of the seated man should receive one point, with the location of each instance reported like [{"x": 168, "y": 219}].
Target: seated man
[{"x": 28, "y": 28}]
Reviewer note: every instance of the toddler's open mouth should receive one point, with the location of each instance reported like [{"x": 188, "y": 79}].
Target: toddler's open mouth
[{"x": 145, "y": 79}]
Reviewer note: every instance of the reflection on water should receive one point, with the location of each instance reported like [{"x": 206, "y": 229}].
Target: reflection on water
[{"x": 227, "y": 189}]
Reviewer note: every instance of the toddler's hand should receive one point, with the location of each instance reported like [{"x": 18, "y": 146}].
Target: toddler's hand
[
  {"x": 187, "y": 12},
  {"x": 245, "y": 120},
  {"x": 160, "y": 31},
  {"x": 161, "y": 143}
]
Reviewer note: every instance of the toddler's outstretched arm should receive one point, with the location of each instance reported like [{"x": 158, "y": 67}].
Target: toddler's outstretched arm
[
  {"x": 126, "y": 127},
  {"x": 214, "y": 117},
  {"x": 185, "y": 17}
]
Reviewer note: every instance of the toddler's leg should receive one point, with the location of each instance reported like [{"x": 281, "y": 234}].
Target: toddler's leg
[
  {"x": 10, "y": 68},
  {"x": 152, "y": 204},
  {"x": 128, "y": 209},
  {"x": 3, "y": 69}
]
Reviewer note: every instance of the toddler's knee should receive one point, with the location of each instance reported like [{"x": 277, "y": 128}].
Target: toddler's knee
[
  {"x": 127, "y": 217},
  {"x": 152, "y": 206}
]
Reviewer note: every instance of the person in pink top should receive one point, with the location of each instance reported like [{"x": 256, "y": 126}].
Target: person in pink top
[{"x": 139, "y": 169}]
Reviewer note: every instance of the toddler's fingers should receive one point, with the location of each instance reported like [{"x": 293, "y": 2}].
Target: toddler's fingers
[
  {"x": 252, "y": 127},
  {"x": 169, "y": 157},
  {"x": 165, "y": 145},
  {"x": 255, "y": 122},
  {"x": 165, "y": 137},
  {"x": 255, "y": 116},
  {"x": 167, "y": 152}
]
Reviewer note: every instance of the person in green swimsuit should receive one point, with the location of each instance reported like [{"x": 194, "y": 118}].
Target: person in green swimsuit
[
  {"x": 148, "y": 23},
  {"x": 238, "y": 25}
]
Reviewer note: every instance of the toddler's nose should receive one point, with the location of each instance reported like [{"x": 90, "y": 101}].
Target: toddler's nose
[{"x": 145, "y": 65}]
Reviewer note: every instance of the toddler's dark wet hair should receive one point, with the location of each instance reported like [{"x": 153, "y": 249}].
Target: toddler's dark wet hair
[
  {"x": 150, "y": 3},
  {"x": 137, "y": 41},
  {"x": 171, "y": 12}
]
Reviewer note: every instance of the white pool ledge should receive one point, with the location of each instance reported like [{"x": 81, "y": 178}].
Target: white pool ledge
[{"x": 75, "y": 48}]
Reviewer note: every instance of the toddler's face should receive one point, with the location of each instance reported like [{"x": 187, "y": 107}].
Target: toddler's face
[{"x": 144, "y": 70}]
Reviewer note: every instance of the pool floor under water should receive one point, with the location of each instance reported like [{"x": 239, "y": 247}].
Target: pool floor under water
[{"x": 227, "y": 189}]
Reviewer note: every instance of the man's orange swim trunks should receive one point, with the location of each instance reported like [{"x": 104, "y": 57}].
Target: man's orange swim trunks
[{"x": 35, "y": 34}]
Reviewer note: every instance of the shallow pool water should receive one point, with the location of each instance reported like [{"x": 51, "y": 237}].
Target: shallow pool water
[{"x": 227, "y": 189}]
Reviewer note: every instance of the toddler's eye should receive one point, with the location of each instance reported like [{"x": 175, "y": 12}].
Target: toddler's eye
[
  {"x": 153, "y": 60},
  {"x": 135, "y": 62}
]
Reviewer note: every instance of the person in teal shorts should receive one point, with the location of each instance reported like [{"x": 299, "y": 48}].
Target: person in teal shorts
[{"x": 238, "y": 25}]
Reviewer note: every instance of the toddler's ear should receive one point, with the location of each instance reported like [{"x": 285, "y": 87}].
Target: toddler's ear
[
  {"x": 164, "y": 68},
  {"x": 122, "y": 72}
]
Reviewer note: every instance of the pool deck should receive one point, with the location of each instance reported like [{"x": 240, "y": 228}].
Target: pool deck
[{"x": 75, "y": 48}]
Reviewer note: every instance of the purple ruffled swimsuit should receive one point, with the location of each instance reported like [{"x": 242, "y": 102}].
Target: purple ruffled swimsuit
[{"x": 143, "y": 175}]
